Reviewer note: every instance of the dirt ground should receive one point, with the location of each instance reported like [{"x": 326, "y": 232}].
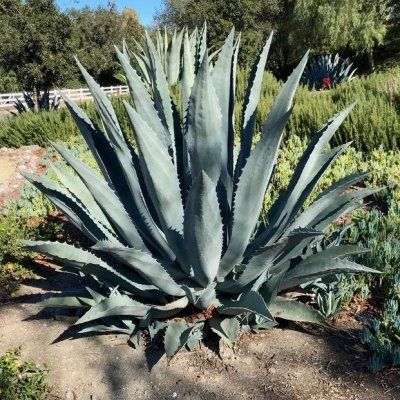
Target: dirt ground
[
  {"x": 288, "y": 363},
  {"x": 12, "y": 161}
]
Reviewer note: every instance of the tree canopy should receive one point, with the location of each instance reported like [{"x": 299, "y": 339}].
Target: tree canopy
[
  {"x": 36, "y": 43},
  {"x": 328, "y": 26},
  {"x": 254, "y": 18},
  {"x": 96, "y": 31}
]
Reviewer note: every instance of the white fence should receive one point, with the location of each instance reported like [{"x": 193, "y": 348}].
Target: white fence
[{"x": 7, "y": 99}]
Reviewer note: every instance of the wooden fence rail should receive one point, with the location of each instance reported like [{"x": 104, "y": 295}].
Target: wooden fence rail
[{"x": 7, "y": 99}]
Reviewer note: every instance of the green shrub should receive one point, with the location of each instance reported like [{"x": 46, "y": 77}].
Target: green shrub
[
  {"x": 22, "y": 380},
  {"x": 380, "y": 232},
  {"x": 39, "y": 128},
  {"x": 375, "y": 121},
  {"x": 20, "y": 219}
]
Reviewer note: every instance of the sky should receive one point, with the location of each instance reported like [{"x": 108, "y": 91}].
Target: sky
[{"x": 145, "y": 8}]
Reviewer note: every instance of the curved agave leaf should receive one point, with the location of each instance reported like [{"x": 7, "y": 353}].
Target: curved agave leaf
[
  {"x": 159, "y": 173},
  {"x": 293, "y": 310},
  {"x": 144, "y": 105},
  {"x": 250, "y": 302},
  {"x": 309, "y": 170},
  {"x": 201, "y": 46},
  {"x": 75, "y": 186},
  {"x": 331, "y": 206},
  {"x": 140, "y": 213},
  {"x": 75, "y": 212},
  {"x": 322, "y": 265},
  {"x": 143, "y": 63},
  {"x": 162, "y": 182},
  {"x": 116, "y": 305},
  {"x": 162, "y": 99},
  {"x": 177, "y": 336},
  {"x": 188, "y": 75},
  {"x": 203, "y": 126},
  {"x": 143, "y": 263},
  {"x": 106, "y": 199},
  {"x": 89, "y": 263},
  {"x": 250, "y": 106},
  {"x": 227, "y": 329},
  {"x": 106, "y": 329},
  {"x": 267, "y": 258},
  {"x": 174, "y": 57},
  {"x": 222, "y": 83},
  {"x": 66, "y": 302},
  {"x": 256, "y": 174},
  {"x": 99, "y": 146},
  {"x": 203, "y": 229}
]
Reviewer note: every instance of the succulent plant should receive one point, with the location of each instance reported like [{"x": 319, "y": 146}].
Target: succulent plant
[
  {"x": 44, "y": 103},
  {"x": 325, "y": 71},
  {"x": 175, "y": 220},
  {"x": 169, "y": 50}
]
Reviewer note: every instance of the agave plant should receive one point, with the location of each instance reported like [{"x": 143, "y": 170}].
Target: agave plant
[
  {"x": 43, "y": 104},
  {"x": 174, "y": 221},
  {"x": 325, "y": 71},
  {"x": 169, "y": 51}
]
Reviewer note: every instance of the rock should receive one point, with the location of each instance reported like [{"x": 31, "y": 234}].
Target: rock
[{"x": 69, "y": 395}]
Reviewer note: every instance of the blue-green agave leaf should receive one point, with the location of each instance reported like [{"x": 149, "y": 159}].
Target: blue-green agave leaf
[
  {"x": 106, "y": 199},
  {"x": 139, "y": 213},
  {"x": 203, "y": 229},
  {"x": 89, "y": 263},
  {"x": 266, "y": 259},
  {"x": 293, "y": 310},
  {"x": 203, "y": 126},
  {"x": 310, "y": 268},
  {"x": 256, "y": 174},
  {"x": 162, "y": 98},
  {"x": 250, "y": 105},
  {"x": 73, "y": 209},
  {"x": 227, "y": 329},
  {"x": 66, "y": 302},
  {"x": 78, "y": 189},
  {"x": 250, "y": 302},
  {"x": 144, "y": 264},
  {"x": 188, "y": 75},
  {"x": 174, "y": 58},
  {"x": 116, "y": 305},
  {"x": 309, "y": 170},
  {"x": 176, "y": 337},
  {"x": 144, "y": 105}
]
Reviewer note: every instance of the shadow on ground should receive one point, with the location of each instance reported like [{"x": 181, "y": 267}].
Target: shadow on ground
[{"x": 293, "y": 362}]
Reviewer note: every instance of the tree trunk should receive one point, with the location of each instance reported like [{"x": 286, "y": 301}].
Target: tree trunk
[
  {"x": 36, "y": 94},
  {"x": 371, "y": 61}
]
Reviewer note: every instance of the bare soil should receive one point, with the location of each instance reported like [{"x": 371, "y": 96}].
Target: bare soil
[
  {"x": 293, "y": 362},
  {"x": 12, "y": 162}
]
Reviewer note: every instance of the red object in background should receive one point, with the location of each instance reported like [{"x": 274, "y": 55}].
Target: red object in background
[{"x": 326, "y": 82}]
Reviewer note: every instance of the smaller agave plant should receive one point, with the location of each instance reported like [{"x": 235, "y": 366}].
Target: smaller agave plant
[
  {"x": 177, "y": 243},
  {"x": 325, "y": 71},
  {"x": 44, "y": 103}
]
